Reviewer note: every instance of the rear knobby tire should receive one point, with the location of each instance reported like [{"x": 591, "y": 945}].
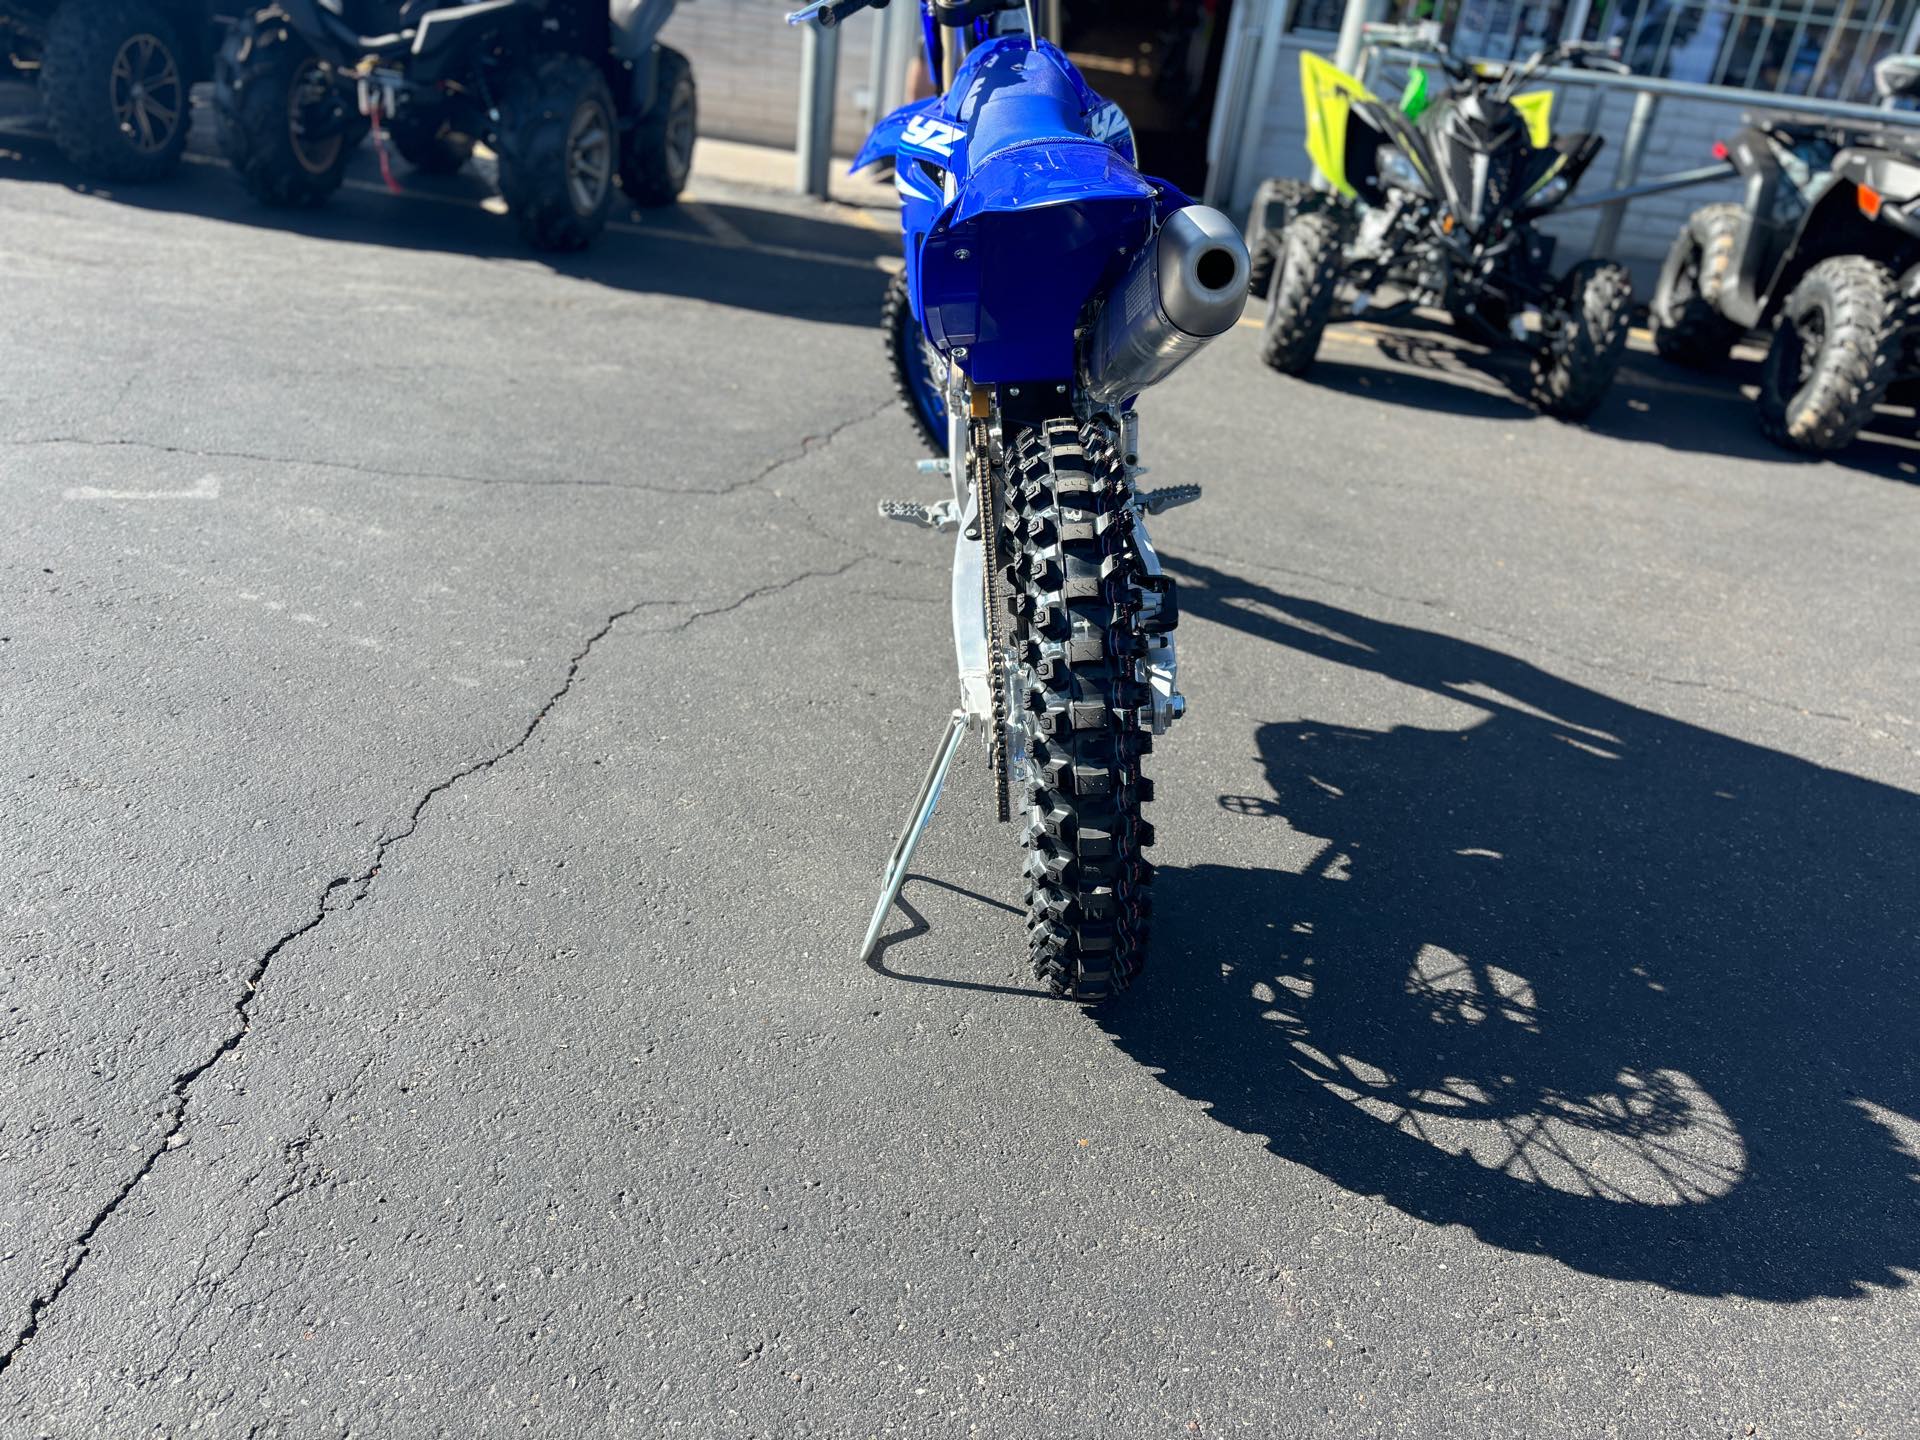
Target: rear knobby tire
[
  {"x": 1685, "y": 317},
  {"x": 1585, "y": 339},
  {"x": 907, "y": 361},
  {"x": 1306, "y": 276},
  {"x": 115, "y": 78},
  {"x": 659, "y": 155},
  {"x": 265, "y": 79},
  {"x": 1275, "y": 204},
  {"x": 423, "y": 139},
  {"x": 1069, "y": 582},
  {"x": 1834, "y": 350},
  {"x": 559, "y": 152}
]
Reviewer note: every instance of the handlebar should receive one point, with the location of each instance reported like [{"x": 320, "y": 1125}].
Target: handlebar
[
  {"x": 829, "y": 13},
  {"x": 952, "y": 13}
]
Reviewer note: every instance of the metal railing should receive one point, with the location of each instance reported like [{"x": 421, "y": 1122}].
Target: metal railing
[{"x": 1647, "y": 94}]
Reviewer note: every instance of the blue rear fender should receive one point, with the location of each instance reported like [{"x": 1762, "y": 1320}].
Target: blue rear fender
[
  {"x": 1047, "y": 208},
  {"x": 1034, "y": 233}
]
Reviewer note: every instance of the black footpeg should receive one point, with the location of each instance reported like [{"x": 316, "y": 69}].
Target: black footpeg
[{"x": 1166, "y": 497}]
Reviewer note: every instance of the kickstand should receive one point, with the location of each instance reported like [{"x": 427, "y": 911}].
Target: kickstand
[{"x": 917, "y": 822}]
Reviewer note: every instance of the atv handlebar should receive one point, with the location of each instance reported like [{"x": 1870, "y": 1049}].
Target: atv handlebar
[{"x": 829, "y": 13}]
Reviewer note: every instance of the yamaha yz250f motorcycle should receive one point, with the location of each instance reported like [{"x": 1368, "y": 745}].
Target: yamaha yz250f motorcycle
[
  {"x": 1048, "y": 283},
  {"x": 1440, "y": 199}
]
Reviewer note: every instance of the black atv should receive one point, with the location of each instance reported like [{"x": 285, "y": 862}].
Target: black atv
[
  {"x": 115, "y": 76},
  {"x": 1825, "y": 250},
  {"x": 568, "y": 94},
  {"x": 1435, "y": 205}
]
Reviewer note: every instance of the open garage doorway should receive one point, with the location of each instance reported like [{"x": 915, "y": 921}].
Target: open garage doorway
[{"x": 1160, "y": 60}]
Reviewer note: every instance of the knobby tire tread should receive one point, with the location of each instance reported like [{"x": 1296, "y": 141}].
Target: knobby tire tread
[{"x": 1069, "y": 538}]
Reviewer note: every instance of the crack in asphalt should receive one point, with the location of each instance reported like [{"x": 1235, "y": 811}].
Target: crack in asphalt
[
  {"x": 1601, "y": 667},
  {"x": 808, "y": 445},
  {"x": 341, "y": 894}
]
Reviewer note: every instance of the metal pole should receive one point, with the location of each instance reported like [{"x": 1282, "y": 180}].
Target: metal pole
[
  {"x": 877, "y": 69},
  {"x": 819, "y": 74},
  {"x": 1358, "y": 13},
  {"x": 1639, "y": 127},
  {"x": 899, "y": 35}
]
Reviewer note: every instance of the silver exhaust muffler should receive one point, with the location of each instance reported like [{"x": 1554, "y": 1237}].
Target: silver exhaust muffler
[{"x": 1184, "y": 289}]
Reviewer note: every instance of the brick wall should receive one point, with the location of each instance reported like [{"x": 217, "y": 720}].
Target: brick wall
[{"x": 746, "y": 59}]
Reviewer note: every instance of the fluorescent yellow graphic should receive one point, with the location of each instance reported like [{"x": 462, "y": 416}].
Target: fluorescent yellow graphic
[{"x": 1330, "y": 95}]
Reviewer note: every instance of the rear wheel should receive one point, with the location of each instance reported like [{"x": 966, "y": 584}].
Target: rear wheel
[
  {"x": 559, "y": 152},
  {"x": 659, "y": 155},
  {"x": 426, "y": 142},
  {"x": 1833, "y": 353},
  {"x": 916, "y": 376},
  {"x": 285, "y": 126},
  {"x": 1077, "y": 744},
  {"x": 114, "y": 76},
  {"x": 1301, "y": 300},
  {"x": 1584, "y": 340},
  {"x": 1685, "y": 317}
]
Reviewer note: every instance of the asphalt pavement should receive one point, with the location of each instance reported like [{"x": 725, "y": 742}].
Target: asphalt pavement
[{"x": 458, "y": 706}]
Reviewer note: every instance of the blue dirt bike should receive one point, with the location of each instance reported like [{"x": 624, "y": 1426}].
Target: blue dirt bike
[{"x": 1047, "y": 283}]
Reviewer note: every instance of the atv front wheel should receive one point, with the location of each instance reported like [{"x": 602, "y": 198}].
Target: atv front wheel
[
  {"x": 1833, "y": 353},
  {"x": 1685, "y": 317},
  {"x": 1069, "y": 563},
  {"x": 660, "y": 154},
  {"x": 1275, "y": 204},
  {"x": 116, "y": 88},
  {"x": 1584, "y": 339},
  {"x": 916, "y": 377},
  {"x": 559, "y": 152},
  {"x": 1301, "y": 298},
  {"x": 423, "y": 138},
  {"x": 285, "y": 125}
]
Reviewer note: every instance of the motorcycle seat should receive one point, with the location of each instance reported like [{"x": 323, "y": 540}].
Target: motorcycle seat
[{"x": 1022, "y": 98}]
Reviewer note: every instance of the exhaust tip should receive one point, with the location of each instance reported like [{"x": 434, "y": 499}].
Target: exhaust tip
[
  {"x": 1216, "y": 269},
  {"x": 1204, "y": 269}
]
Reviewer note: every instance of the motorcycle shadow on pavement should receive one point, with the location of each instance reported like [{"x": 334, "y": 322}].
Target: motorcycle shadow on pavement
[
  {"x": 1651, "y": 402},
  {"x": 1597, "y": 984},
  {"x": 771, "y": 259}
]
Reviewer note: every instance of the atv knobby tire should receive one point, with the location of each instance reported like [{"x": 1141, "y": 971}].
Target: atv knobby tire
[
  {"x": 1584, "y": 340},
  {"x": 1275, "y": 204},
  {"x": 559, "y": 152},
  {"x": 1301, "y": 296},
  {"x": 905, "y": 341},
  {"x": 1068, "y": 572},
  {"x": 266, "y": 79},
  {"x": 426, "y": 143},
  {"x": 115, "y": 79},
  {"x": 659, "y": 154},
  {"x": 1685, "y": 317},
  {"x": 1834, "y": 350}
]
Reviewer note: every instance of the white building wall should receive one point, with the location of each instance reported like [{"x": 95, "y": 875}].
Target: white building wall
[{"x": 746, "y": 61}]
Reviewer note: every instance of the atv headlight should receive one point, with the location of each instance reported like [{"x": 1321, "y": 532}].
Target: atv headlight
[
  {"x": 1390, "y": 162},
  {"x": 1552, "y": 192}
]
